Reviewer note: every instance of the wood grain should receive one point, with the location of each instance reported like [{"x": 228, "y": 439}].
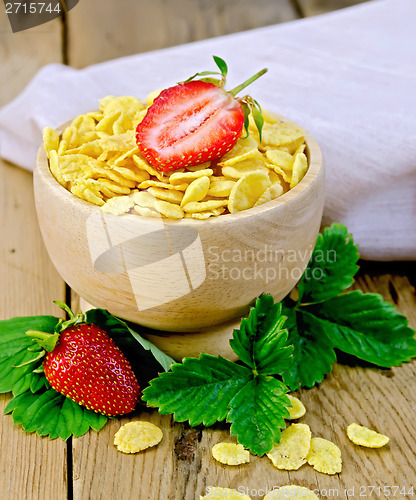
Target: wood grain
[
  {"x": 95, "y": 32},
  {"x": 309, "y": 8},
  {"x": 31, "y": 467}
]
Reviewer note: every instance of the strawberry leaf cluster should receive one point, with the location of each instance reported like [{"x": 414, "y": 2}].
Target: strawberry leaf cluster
[
  {"x": 38, "y": 407},
  {"x": 211, "y": 389},
  {"x": 324, "y": 319}
]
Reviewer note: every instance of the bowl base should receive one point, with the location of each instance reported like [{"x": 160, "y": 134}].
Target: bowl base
[{"x": 213, "y": 340}]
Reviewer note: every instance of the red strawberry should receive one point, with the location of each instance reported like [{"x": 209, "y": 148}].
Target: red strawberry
[
  {"x": 85, "y": 365},
  {"x": 194, "y": 122}
]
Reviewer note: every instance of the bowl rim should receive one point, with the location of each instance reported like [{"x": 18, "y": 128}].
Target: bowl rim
[{"x": 313, "y": 152}]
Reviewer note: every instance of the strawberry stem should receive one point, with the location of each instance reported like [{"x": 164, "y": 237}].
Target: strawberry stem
[
  {"x": 239, "y": 88},
  {"x": 46, "y": 340}
]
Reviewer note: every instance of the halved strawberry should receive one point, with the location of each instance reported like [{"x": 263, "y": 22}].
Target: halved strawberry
[{"x": 195, "y": 121}]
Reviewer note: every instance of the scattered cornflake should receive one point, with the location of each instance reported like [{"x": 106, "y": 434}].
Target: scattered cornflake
[
  {"x": 363, "y": 436},
  {"x": 324, "y": 456},
  {"x": 291, "y": 452},
  {"x": 297, "y": 409},
  {"x": 230, "y": 454},
  {"x": 290, "y": 491},
  {"x": 137, "y": 436},
  {"x": 216, "y": 493}
]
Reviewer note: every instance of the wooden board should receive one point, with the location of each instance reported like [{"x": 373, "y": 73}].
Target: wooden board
[
  {"x": 95, "y": 34},
  {"x": 181, "y": 467},
  {"x": 31, "y": 468}
]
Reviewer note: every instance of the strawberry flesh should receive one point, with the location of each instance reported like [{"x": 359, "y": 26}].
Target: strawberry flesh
[
  {"x": 88, "y": 367},
  {"x": 189, "y": 124}
]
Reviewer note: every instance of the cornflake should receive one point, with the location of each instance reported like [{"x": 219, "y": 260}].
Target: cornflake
[
  {"x": 96, "y": 158},
  {"x": 137, "y": 436},
  {"x": 324, "y": 456},
  {"x": 297, "y": 409},
  {"x": 291, "y": 452},
  {"x": 363, "y": 436},
  {"x": 230, "y": 454}
]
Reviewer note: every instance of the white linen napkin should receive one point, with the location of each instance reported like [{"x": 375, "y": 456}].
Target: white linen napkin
[{"x": 348, "y": 77}]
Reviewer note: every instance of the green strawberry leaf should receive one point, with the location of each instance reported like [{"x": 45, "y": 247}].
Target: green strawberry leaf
[
  {"x": 257, "y": 413},
  {"x": 52, "y": 414},
  {"x": 197, "y": 390},
  {"x": 332, "y": 266},
  {"x": 313, "y": 353},
  {"x": 211, "y": 389},
  {"x": 17, "y": 350},
  {"x": 366, "y": 327},
  {"x": 261, "y": 340}
]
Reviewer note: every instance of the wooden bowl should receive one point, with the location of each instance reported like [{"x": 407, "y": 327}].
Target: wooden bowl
[{"x": 187, "y": 275}]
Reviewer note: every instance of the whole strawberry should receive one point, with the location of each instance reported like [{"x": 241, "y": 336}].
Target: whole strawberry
[
  {"x": 84, "y": 364},
  {"x": 196, "y": 121}
]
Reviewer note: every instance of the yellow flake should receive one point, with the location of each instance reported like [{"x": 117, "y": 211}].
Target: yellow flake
[
  {"x": 280, "y": 158},
  {"x": 187, "y": 177},
  {"x": 243, "y": 149},
  {"x": 144, "y": 165},
  {"x": 247, "y": 191},
  {"x": 163, "y": 185},
  {"x": 107, "y": 123},
  {"x": 50, "y": 140},
  {"x": 216, "y": 493},
  {"x": 206, "y": 214},
  {"x": 230, "y": 454},
  {"x": 126, "y": 104},
  {"x": 137, "y": 436},
  {"x": 291, "y": 452},
  {"x": 363, "y": 436},
  {"x": 202, "y": 206},
  {"x": 271, "y": 193},
  {"x": 196, "y": 168},
  {"x": 297, "y": 409},
  {"x": 170, "y": 195},
  {"x": 290, "y": 491},
  {"x": 54, "y": 168},
  {"x": 244, "y": 167},
  {"x": 196, "y": 191},
  {"x": 118, "y": 205},
  {"x": 300, "y": 166},
  {"x": 220, "y": 188},
  {"x": 70, "y": 136},
  {"x": 324, "y": 456}
]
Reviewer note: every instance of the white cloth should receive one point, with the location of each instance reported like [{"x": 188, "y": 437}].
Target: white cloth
[{"x": 348, "y": 77}]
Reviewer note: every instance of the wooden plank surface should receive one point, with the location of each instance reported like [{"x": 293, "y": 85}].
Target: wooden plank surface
[
  {"x": 100, "y": 31},
  {"x": 181, "y": 467},
  {"x": 31, "y": 468}
]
